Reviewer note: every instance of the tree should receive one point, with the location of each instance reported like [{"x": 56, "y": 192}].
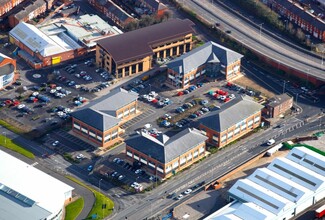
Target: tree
[{"x": 300, "y": 34}]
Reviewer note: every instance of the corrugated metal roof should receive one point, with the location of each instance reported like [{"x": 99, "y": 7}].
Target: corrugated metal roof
[
  {"x": 308, "y": 158},
  {"x": 231, "y": 113},
  {"x": 164, "y": 148},
  {"x": 248, "y": 191},
  {"x": 297, "y": 173},
  {"x": 47, "y": 192}
]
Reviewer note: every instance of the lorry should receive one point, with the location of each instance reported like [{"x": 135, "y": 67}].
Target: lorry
[{"x": 320, "y": 212}]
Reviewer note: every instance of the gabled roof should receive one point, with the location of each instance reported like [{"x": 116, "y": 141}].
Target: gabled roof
[
  {"x": 29, "y": 186},
  {"x": 137, "y": 44},
  {"x": 231, "y": 113},
  {"x": 114, "y": 100},
  {"x": 117, "y": 11},
  {"x": 96, "y": 119},
  {"x": 298, "y": 173},
  {"x": 36, "y": 40},
  {"x": 209, "y": 52},
  {"x": 29, "y": 9},
  {"x": 247, "y": 191},
  {"x": 164, "y": 148},
  {"x": 101, "y": 114},
  {"x": 308, "y": 158}
]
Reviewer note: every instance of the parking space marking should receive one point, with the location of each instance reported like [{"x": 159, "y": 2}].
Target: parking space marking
[
  {"x": 147, "y": 112},
  {"x": 34, "y": 164}
]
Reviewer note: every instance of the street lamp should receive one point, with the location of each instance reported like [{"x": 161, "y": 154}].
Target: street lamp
[
  {"x": 102, "y": 198},
  {"x": 260, "y": 25},
  {"x": 5, "y": 137},
  {"x": 284, "y": 85}
]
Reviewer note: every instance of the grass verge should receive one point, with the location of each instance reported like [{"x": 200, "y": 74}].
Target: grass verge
[
  {"x": 102, "y": 207},
  {"x": 9, "y": 144},
  {"x": 73, "y": 209},
  {"x": 10, "y": 127}
]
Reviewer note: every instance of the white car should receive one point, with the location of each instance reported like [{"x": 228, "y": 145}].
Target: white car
[
  {"x": 153, "y": 94},
  {"x": 138, "y": 171},
  {"x": 55, "y": 143},
  {"x": 179, "y": 197},
  {"x": 20, "y": 106},
  {"x": 223, "y": 97},
  {"x": 80, "y": 156},
  {"x": 121, "y": 177},
  {"x": 147, "y": 126},
  {"x": 135, "y": 184},
  {"x": 232, "y": 96},
  {"x": 188, "y": 191},
  {"x": 35, "y": 94},
  {"x": 270, "y": 142},
  {"x": 52, "y": 91}
]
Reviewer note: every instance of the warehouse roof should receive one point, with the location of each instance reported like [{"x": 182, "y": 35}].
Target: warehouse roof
[
  {"x": 138, "y": 43},
  {"x": 164, "y": 148},
  {"x": 233, "y": 112},
  {"x": 298, "y": 173},
  {"x": 38, "y": 41},
  {"x": 280, "y": 188},
  {"x": 248, "y": 191},
  {"x": 209, "y": 52},
  {"x": 308, "y": 159},
  {"x": 27, "y": 192}
]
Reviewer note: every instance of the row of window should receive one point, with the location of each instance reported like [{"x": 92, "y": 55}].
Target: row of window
[
  {"x": 169, "y": 167},
  {"x": 127, "y": 112},
  {"x": 92, "y": 134}
]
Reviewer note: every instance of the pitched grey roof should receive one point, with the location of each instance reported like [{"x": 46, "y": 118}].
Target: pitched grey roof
[
  {"x": 230, "y": 114},
  {"x": 279, "y": 99},
  {"x": 209, "y": 52},
  {"x": 102, "y": 113},
  {"x": 165, "y": 149},
  {"x": 114, "y": 100},
  {"x": 96, "y": 119}
]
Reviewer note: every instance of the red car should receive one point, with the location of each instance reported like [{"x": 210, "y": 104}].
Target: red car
[
  {"x": 180, "y": 93},
  {"x": 8, "y": 102},
  {"x": 154, "y": 101},
  {"x": 15, "y": 103},
  {"x": 227, "y": 99},
  {"x": 229, "y": 84},
  {"x": 216, "y": 95}
]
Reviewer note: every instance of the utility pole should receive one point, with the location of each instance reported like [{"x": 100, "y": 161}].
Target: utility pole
[{"x": 260, "y": 25}]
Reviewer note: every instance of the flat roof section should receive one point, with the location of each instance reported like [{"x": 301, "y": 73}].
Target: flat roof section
[{"x": 137, "y": 44}]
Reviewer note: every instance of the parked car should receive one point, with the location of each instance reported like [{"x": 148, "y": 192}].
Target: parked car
[
  {"x": 187, "y": 192},
  {"x": 90, "y": 168},
  {"x": 204, "y": 102},
  {"x": 55, "y": 143},
  {"x": 270, "y": 142}
]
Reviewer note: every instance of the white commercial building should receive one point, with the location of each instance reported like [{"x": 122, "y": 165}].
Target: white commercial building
[
  {"x": 28, "y": 193},
  {"x": 278, "y": 192}
]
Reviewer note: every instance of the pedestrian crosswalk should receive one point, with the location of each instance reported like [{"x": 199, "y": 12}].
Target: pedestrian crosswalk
[{"x": 34, "y": 164}]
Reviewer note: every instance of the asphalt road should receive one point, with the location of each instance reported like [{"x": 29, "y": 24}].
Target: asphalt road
[{"x": 253, "y": 37}]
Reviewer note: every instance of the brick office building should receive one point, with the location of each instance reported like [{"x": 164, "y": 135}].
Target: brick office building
[
  {"x": 233, "y": 120},
  {"x": 164, "y": 156},
  {"x": 136, "y": 51},
  {"x": 278, "y": 105},
  {"x": 100, "y": 123},
  {"x": 209, "y": 58}
]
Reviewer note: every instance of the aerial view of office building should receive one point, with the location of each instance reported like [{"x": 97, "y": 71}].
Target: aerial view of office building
[
  {"x": 100, "y": 123},
  {"x": 136, "y": 51},
  {"x": 164, "y": 156},
  {"x": 233, "y": 120},
  {"x": 278, "y": 105},
  {"x": 29, "y": 193},
  {"x": 210, "y": 58}
]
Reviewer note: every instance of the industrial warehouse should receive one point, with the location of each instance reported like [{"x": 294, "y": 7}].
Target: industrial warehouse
[{"x": 282, "y": 190}]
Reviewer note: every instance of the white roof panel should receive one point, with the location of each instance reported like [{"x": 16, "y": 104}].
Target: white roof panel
[
  {"x": 46, "y": 43},
  {"x": 45, "y": 190},
  {"x": 279, "y": 184},
  {"x": 248, "y": 191},
  {"x": 308, "y": 158},
  {"x": 297, "y": 173}
]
